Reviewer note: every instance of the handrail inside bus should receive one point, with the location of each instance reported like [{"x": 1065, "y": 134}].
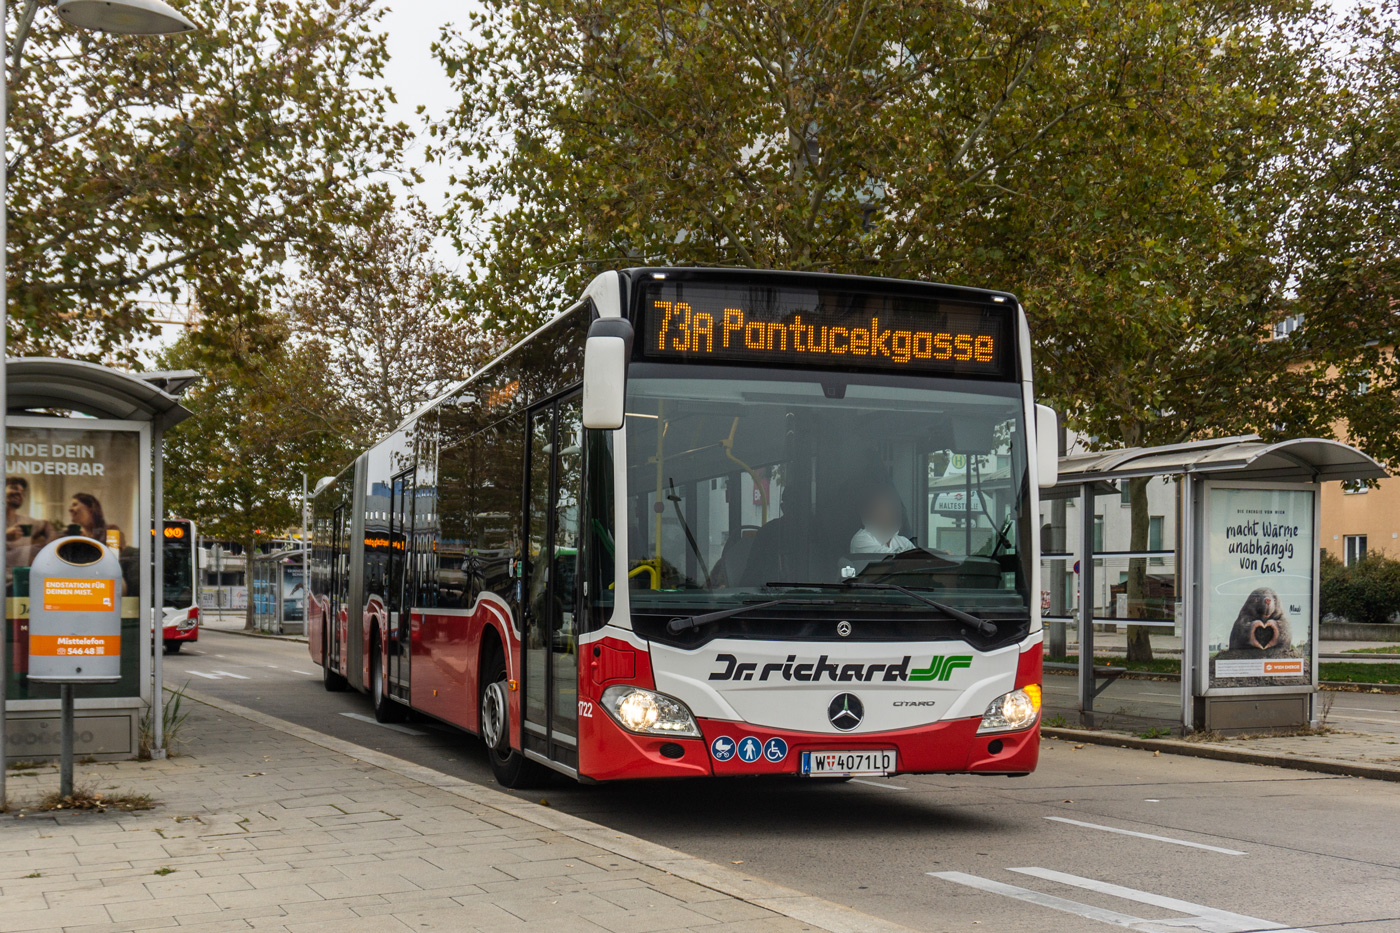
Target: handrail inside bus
[
  {"x": 646, "y": 567},
  {"x": 728, "y": 445},
  {"x": 605, "y": 536}
]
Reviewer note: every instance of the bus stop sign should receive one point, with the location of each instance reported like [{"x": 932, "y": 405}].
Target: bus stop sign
[{"x": 75, "y": 625}]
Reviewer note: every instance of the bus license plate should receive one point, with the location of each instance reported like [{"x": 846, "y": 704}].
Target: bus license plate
[{"x": 849, "y": 763}]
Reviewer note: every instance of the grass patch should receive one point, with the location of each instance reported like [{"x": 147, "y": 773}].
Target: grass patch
[
  {"x": 1387, "y": 649},
  {"x": 25, "y": 765},
  {"x": 35, "y": 874},
  {"x": 173, "y": 717},
  {"x": 1155, "y": 666},
  {"x": 1156, "y": 732},
  {"x": 1353, "y": 672},
  {"x": 85, "y": 798},
  {"x": 164, "y": 870}
]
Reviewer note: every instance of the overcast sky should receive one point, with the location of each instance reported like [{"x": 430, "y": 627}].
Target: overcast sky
[{"x": 417, "y": 77}]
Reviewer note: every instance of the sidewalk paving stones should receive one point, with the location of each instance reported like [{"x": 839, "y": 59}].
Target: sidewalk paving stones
[
  {"x": 1354, "y": 754},
  {"x": 263, "y": 825}
]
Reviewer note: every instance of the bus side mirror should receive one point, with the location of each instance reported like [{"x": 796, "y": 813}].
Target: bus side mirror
[
  {"x": 1047, "y": 445},
  {"x": 605, "y": 355}
]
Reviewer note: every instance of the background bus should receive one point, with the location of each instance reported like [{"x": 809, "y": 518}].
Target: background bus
[
  {"x": 656, "y": 564},
  {"x": 180, "y": 586}
]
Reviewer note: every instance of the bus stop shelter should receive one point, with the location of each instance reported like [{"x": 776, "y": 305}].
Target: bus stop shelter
[
  {"x": 83, "y": 457},
  {"x": 1222, "y": 585},
  {"x": 277, "y": 588}
]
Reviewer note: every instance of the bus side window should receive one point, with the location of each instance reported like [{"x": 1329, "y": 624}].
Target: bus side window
[
  {"x": 599, "y": 539},
  {"x": 499, "y": 495}
]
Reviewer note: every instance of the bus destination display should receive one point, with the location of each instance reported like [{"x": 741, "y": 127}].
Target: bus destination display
[{"x": 826, "y": 328}]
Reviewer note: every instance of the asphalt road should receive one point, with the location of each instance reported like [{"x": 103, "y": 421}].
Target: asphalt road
[{"x": 1096, "y": 838}]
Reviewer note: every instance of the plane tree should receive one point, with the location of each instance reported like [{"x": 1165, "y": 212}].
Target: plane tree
[
  {"x": 1161, "y": 183},
  {"x": 137, "y": 162}
]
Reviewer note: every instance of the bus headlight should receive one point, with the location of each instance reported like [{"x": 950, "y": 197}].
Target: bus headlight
[
  {"x": 1010, "y": 711},
  {"x": 649, "y": 713}
]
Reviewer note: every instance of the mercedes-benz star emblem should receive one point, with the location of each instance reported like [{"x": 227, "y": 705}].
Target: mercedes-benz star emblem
[
  {"x": 845, "y": 711},
  {"x": 843, "y": 628}
]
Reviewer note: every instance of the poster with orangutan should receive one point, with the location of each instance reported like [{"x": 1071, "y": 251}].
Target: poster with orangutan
[{"x": 1261, "y": 555}]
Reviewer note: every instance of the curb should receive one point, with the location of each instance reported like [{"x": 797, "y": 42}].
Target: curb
[
  {"x": 1222, "y": 753},
  {"x": 228, "y": 631},
  {"x": 788, "y": 902}
]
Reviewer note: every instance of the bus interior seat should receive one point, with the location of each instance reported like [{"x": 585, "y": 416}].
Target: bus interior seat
[
  {"x": 734, "y": 557},
  {"x": 781, "y": 551}
]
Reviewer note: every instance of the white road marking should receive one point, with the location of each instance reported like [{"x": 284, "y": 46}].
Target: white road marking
[
  {"x": 1368, "y": 709},
  {"x": 1222, "y": 920},
  {"x": 1129, "y": 832},
  {"x": 1044, "y": 900},
  {"x": 383, "y": 725},
  {"x": 231, "y": 674},
  {"x": 878, "y": 784},
  {"x": 1200, "y": 917},
  {"x": 202, "y": 674},
  {"x": 217, "y": 675},
  {"x": 307, "y": 673}
]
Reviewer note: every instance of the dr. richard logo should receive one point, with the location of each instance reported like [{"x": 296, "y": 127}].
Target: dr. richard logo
[{"x": 940, "y": 668}]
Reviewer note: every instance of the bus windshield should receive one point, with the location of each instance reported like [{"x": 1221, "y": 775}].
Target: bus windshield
[
  {"x": 748, "y": 483},
  {"x": 178, "y": 566}
]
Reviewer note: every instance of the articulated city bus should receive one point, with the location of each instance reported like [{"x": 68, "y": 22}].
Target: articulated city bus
[
  {"x": 181, "y": 584},
  {"x": 710, "y": 522}
]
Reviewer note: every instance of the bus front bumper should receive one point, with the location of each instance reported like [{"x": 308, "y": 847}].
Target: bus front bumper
[
  {"x": 951, "y": 747},
  {"x": 181, "y": 631}
]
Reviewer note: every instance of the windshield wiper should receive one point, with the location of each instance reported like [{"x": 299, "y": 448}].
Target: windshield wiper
[
  {"x": 980, "y": 626},
  {"x": 685, "y": 624}
]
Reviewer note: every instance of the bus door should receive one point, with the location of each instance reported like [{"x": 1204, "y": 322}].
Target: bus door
[
  {"x": 554, "y": 485},
  {"x": 339, "y": 584},
  {"x": 397, "y": 593}
]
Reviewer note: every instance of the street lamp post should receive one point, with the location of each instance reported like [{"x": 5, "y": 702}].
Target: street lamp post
[{"x": 123, "y": 17}]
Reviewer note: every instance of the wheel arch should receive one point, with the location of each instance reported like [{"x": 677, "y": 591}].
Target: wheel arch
[{"x": 492, "y": 642}]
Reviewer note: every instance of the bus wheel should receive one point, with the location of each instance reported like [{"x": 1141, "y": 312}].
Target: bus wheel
[
  {"x": 332, "y": 681},
  {"x": 173, "y": 647},
  {"x": 509, "y": 765},
  {"x": 385, "y": 708}
]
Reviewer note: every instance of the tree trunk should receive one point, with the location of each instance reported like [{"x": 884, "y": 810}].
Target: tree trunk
[
  {"x": 250, "y": 547},
  {"x": 1139, "y": 636}
]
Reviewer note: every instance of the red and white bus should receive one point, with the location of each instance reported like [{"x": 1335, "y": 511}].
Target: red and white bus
[
  {"x": 710, "y": 522},
  {"x": 180, "y": 589}
]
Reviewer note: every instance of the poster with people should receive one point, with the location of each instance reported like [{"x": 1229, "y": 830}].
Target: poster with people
[
  {"x": 61, "y": 482},
  {"x": 1260, "y": 562}
]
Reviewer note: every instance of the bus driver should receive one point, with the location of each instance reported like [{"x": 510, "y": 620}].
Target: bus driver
[{"x": 881, "y": 514}]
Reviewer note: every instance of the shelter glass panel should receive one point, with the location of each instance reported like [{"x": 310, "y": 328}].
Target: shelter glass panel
[{"x": 63, "y": 482}]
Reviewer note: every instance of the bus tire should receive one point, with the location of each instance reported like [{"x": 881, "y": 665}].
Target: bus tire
[
  {"x": 386, "y": 709},
  {"x": 173, "y": 647},
  {"x": 509, "y": 765},
  {"x": 333, "y": 682}
]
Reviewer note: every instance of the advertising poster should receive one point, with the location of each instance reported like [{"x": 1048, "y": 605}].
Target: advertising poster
[
  {"x": 61, "y": 482},
  {"x": 293, "y": 593},
  {"x": 1260, "y": 560}
]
